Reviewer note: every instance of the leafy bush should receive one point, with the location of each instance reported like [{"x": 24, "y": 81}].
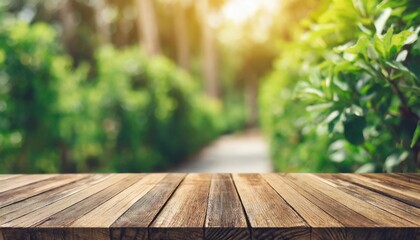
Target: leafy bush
[
  {"x": 34, "y": 81},
  {"x": 145, "y": 113},
  {"x": 355, "y": 75},
  {"x": 136, "y": 114}
]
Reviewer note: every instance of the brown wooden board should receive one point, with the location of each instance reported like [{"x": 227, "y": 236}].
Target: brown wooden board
[
  {"x": 322, "y": 224},
  {"x": 210, "y": 206},
  {"x": 26, "y": 191},
  {"x": 269, "y": 215},
  {"x": 399, "y": 194},
  {"x": 28, "y": 205},
  {"x": 404, "y": 177},
  {"x": 184, "y": 214},
  {"x": 225, "y": 217},
  {"x": 22, "y": 180},
  {"x": 7, "y": 176},
  {"x": 388, "y": 204},
  {"x": 134, "y": 223},
  {"x": 378, "y": 218}
]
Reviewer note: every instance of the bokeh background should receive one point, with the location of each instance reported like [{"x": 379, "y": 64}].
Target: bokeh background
[{"x": 143, "y": 85}]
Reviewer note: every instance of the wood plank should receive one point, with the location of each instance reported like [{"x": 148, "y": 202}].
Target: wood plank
[
  {"x": 225, "y": 217},
  {"x": 133, "y": 224},
  {"x": 404, "y": 177},
  {"x": 204, "y": 206},
  {"x": 7, "y": 176},
  {"x": 357, "y": 226},
  {"x": 184, "y": 215},
  {"x": 269, "y": 215},
  {"x": 67, "y": 216},
  {"x": 322, "y": 224},
  {"x": 412, "y": 175},
  {"x": 382, "y": 189},
  {"x": 26, "y": 191},
  {"x": 87, "y": 225},
  {"x": 28, "y": 205},
  {"x": 390, "y": 205},
  {"x": 392, "y": 182},
  {"x": 60, "y": 226},
  {"x": 39, "y": 215},
  {"x": 379, "y": 216},
  {"x": 22, "y": 180},
  {"x": 116, "y": 206},
  {"x": 345, "y": 215}
]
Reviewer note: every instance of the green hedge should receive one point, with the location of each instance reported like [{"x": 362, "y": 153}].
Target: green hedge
[
  {"x": 132, "y": 113},
  {"x": 352, "y": 72}
]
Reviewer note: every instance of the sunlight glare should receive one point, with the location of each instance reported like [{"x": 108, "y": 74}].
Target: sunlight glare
[{"x": 239, "y": 11}]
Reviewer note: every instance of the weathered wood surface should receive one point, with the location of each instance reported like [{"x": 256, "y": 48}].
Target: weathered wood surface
[{"x": 210, "y": 206}]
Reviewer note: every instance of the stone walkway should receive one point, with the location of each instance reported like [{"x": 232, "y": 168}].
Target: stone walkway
[{"x": 246, "y": 152}]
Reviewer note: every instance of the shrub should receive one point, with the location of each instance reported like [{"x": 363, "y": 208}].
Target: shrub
[
  {"x": 136, "y": 114},
  {"x": 146, "y": 113},
  {"x": 355, "y": 72}
]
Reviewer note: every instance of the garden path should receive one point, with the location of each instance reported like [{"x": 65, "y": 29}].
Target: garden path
[{"x": 245, "y": 152}]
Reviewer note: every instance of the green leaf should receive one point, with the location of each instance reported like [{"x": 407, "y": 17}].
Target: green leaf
[
  {"x": 399, "y": 66},
  {"x": 360, "y": 47},
  {"x": 381, "y": 21},
  {"x": 394, "y": 160},
  {"x": 413, "y": 37},
  {"x": 353, "y": 129},
  {"x": 400, "y": 39},
  {"x": 416, "y": 135},
  {"x": 379, "y": 45},
  {"x": 402, "y": 56},
  {"x": 366, "y": 168},
  {"x": 372, "y": 54}
]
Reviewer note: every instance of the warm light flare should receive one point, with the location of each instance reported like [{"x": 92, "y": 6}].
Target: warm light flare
[{"x": 239, "y": 11}]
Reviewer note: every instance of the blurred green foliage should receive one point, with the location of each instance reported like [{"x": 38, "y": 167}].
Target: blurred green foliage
[
  {"x": 135, "y": 114},
  {"x": 352, "y": 69}
]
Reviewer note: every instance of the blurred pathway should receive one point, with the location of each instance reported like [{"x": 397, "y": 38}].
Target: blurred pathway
[{"x": 239, "y": 153}]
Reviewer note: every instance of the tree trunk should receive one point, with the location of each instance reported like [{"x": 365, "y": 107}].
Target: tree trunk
[
  {"x": 209, "y": 54},
  {"x": 102, "y": 21},
  {"x": 122, "y": 28},
  {"x": 181, "y": 36},
  {"x": 147, "y": 25},
  {"x": 251, "y": 88},
  {"x": 68, "y": 23}
]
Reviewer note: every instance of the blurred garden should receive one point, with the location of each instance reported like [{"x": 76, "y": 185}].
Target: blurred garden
[{"x": 141, "y": 85}]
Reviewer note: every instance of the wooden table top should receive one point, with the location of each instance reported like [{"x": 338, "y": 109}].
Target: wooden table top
[{"x": 210, "y": 206}]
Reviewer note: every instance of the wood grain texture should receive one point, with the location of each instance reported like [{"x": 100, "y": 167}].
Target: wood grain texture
[
  {"x": 31, "y": 204},
  {"x": 356, "y": 225},
  {"x": 382, "y": 219},
  {"x": 26, "y": 191},
  {"x": 184, "y": 214},
  {"x": 269, "y": 215},
  {"x": 396, "y": 183},
  {"x": 134, "y": 223},
  {"x": 19, "y": 181},
  {"x": 112, "y": 209},
  {"x": 210, "y": 206},
  {"x": 398, "y": 194},
  {"x": 7, "y": 176},
  {"x": 388, "y": 204},
  {"x": 404, "y": 177},
  {"x": 67, "y": 216},
  {"x": 225, "y": 217},
  {"x": 378, "y": 215},
  {"x": 322, "y": 223},
  {"x": 81, "y": 221},
  {"x": 33, "y": 218}
]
